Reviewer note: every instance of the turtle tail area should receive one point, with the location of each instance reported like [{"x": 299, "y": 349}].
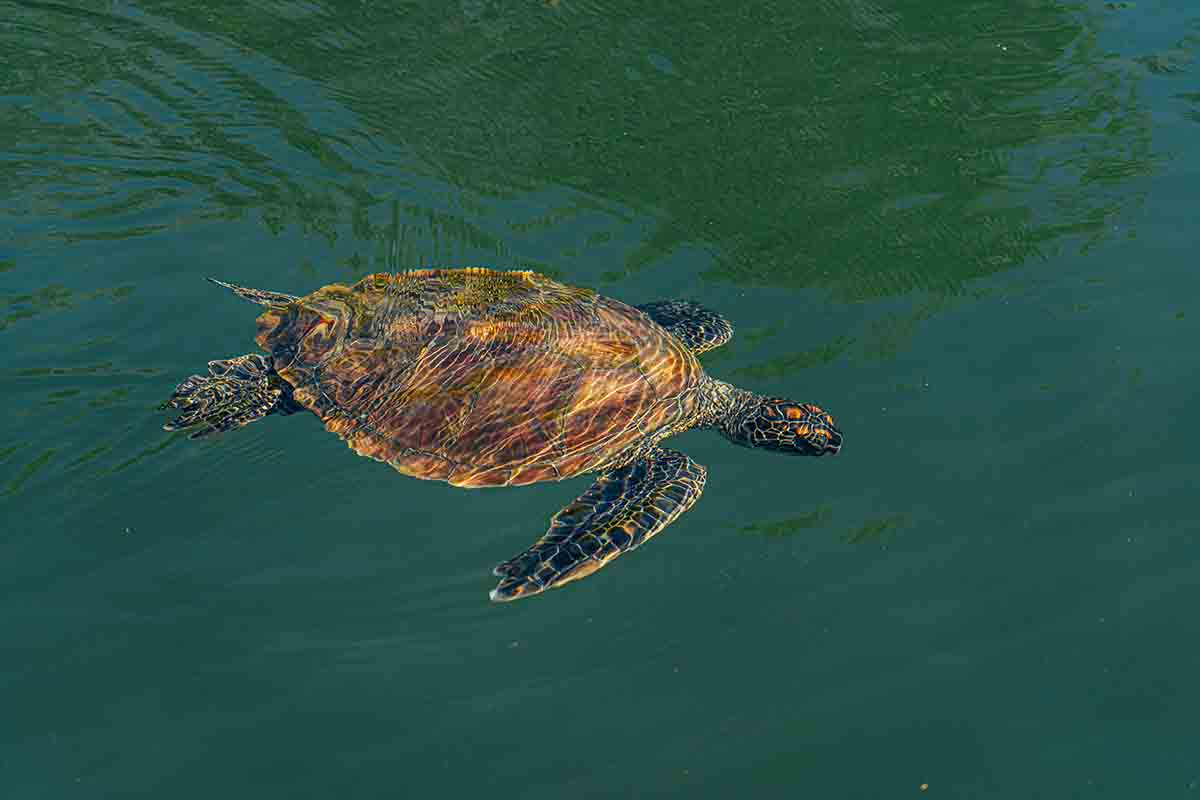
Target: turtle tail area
[{"x": 236, "y": 391}]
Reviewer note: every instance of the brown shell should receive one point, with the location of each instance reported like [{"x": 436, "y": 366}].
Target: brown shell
[{"x": 482, "y": 378}]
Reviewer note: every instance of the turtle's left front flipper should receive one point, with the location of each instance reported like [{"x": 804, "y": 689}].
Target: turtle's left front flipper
[
  {"x": 622, "y": 509},
  {"x": 699, "y": 328}
]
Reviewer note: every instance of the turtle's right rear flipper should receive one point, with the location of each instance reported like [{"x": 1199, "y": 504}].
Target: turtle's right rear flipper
[{"x": 236, "y": 391}]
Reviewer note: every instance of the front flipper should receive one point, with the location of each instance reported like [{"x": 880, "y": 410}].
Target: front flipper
[
  {"x": 622, "y": 509},
  {"x": 691, "y": 323}
]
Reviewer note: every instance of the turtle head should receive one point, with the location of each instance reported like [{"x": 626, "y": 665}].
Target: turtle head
[{"x": 783, "y": 426}]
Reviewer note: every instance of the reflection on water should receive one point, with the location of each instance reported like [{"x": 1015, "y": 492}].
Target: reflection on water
[
  {"x": 54, "y": 297},
  {"x": 847, "y": 155},
  {"x": 788, "y": 527}
]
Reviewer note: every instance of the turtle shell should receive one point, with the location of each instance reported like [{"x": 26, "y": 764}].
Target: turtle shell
[{"x": 482, "y": 378}]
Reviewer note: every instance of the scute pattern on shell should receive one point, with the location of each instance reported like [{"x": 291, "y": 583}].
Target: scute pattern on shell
[{"x": 483, "y": 378}]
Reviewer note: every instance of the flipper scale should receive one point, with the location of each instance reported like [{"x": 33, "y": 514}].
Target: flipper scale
[
  {"x": 621, "y": 510},
  {"x": 235, "y": 392},
  {"x": 699, "y": 328}
]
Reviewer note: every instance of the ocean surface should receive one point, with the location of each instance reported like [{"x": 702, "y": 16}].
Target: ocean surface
[{"x": 968, "y": 230}]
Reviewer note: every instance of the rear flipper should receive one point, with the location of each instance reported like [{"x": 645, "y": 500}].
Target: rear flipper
[{"x": 235, "y": 391}]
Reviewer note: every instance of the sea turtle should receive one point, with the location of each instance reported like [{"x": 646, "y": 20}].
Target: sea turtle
[{"x": 479, "y": 377}]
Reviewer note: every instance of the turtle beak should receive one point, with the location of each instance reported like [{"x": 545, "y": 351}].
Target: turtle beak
[
  {"x": 817, "y": 440},
  {"x": 833, "y": 444},
  {"x": 813, "y": 430}
]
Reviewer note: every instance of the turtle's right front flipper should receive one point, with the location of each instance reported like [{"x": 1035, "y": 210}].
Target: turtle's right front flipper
[
  {"x": 622, "y": 509},
  {"x": 236, "y": 391}
]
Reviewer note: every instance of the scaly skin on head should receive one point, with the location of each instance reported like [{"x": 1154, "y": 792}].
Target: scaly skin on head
[{"x": 771, "y": 423}]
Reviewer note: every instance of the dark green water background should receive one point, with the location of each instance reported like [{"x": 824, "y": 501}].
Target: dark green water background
[{"x": 966, "y": 229}]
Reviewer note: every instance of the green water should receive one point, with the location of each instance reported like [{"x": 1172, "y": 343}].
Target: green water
[{"x": 968, "y": 230}]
